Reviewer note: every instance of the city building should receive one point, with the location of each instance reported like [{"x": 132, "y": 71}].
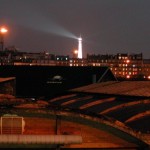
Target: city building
[
  {"x": 78, "y": 62},
  {"x": 123, "y": 65},
  {"x": 146, "y": 68}
]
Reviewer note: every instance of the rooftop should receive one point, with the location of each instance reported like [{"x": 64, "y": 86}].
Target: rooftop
[
  {"x": 6, "y": 79},
  {"x": 124, "y": 88}
]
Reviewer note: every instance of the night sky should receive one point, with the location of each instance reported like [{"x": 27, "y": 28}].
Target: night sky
[{"x": 106, "y": 26}]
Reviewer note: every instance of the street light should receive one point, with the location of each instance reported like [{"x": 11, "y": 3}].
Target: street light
[
  {"x": 75, "y": 53},
  {"x": 3, "y": 30}
]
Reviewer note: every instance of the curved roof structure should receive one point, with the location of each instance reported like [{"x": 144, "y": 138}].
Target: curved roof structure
[
  {"x": 121, "y": 109},
  {"x": 127, "y": 102},
  {"x": 96, "y": 131},
  {"x": 103, "y": 115}
]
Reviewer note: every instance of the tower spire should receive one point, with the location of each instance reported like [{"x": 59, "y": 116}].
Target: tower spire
[{"x": 80, "y": 47}]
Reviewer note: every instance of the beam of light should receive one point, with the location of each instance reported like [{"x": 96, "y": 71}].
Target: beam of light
[
  {"x": 41, "y": 23},
  {"x": 36, "y": 20},
  {"x": 56, "y": 29}
]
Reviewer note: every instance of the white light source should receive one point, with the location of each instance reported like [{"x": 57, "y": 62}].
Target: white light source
[
  {"x": 80, "y": 48},
  {"x": 3, "y": 30}
]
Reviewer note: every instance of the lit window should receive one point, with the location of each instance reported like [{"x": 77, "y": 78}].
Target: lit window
[
  {"x": 127, "y": 76},
  {"x": 133, "y": 65},
  {"x": 128, "y": 61}
]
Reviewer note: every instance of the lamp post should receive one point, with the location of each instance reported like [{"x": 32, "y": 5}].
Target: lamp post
[{"x": 3, "y": 30}]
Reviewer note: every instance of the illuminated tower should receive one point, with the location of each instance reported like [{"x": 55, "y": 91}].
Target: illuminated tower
[{"x": 80, "y": 47}]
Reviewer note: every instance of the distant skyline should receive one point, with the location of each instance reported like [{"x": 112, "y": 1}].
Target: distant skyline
[{"x": 106, "y": 26}]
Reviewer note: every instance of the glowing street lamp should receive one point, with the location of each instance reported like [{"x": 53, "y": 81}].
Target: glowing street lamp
[
  {"x": 76, "y": 52},
  {"x": 3, "y": 30}
]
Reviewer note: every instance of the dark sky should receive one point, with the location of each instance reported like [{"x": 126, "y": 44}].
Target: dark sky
[{"x": 106, "y": 26}]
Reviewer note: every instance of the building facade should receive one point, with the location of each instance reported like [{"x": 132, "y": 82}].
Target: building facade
[{"x": 123, "y": 65}]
